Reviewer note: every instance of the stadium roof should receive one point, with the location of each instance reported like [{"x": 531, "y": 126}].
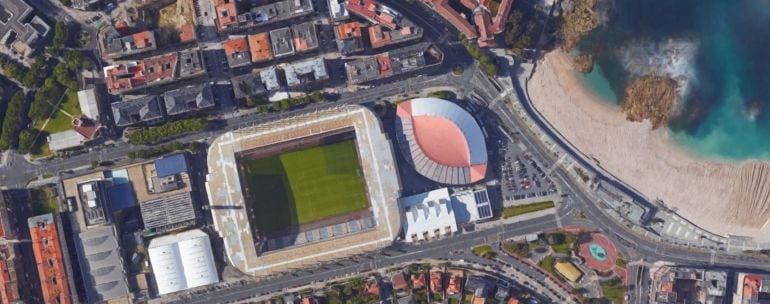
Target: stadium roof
[
  {"x": 103, "y": 272},
  {"x": 443, "y": 141},
  {"x": 182, "y": 261}
]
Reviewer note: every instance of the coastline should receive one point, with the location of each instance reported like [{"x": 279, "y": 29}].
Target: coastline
[{"x": 724, "y": 197}]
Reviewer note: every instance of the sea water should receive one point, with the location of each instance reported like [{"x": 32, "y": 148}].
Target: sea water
[{"x": 717, "y": 50}]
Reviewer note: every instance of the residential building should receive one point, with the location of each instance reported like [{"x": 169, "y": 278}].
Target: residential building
[
  {"x": 100, "y": 265},
  {"x": 427, "y": 215},
  {"x": 49, "y": 258},
  {"x": 688, "y": 285},
  {"x": 136, "y": 74},
  {"x": 418, "y": 280},
  {"x": 306, "y": 72},
  {"x": 144, "y": 110},
  {"x": 389, "y": 26},
  {"x": 190, "y": 63},
  {"x": 115, "y": 46},
  {"x": 484, "y": 26},
  {"x": 20, "y": 29},
  {"x": 282, "y": 42},
  {"x": 436, "y": 282},
  {"x": 168, "y": 213},
  {"x": 397, "y": 62},
  {"x": 182, "y": 261},
  {"x": 95, "y": 199},
  {"x": 304, "y": 36},
  {"x": 237, "y": 52},
  {"x": 399, "y": 281},
  {"x": 752, "y": 288},
  {"x": 275, "y": 12},
  {"x": 338, "y": 9},
  {"x": 10, "y": 265},
  {"x": 380, "y": 36},
  {"x": 374, "y": 12},
  {"x": 227, "y": 15},
  {"x": 349, "y": 38},
  {"x": 259, "y": 46},
  {"x": 256, "y": 83},
  {"x": 188, "y": 99}
]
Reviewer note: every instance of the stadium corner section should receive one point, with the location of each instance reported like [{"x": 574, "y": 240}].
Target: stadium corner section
[{"x": 230, "y": 212}]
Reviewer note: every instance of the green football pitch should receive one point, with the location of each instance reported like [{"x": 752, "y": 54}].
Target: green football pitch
[{"x": 304, "y": 186}]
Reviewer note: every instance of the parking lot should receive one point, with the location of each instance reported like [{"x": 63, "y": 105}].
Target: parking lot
[{"x": 521, "y": 177}]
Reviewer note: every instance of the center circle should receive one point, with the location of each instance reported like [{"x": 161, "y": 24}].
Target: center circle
[{"x": 597, "y": 252}]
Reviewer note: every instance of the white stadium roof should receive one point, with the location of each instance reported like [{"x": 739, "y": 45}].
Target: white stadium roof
[
  {"x": 428, "y": 213},
  {"x": 182, "y": 261}
]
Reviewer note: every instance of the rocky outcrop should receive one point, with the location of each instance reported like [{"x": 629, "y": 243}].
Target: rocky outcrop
[
  {"x": 651, "y": 97},
  {"x": 579, "y": 20},
  {"x": 583, "y": 63}
]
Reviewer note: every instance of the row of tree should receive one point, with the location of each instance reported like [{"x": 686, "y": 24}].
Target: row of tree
[
  {"x": 291, "y": 103},
  {"x": 487, "y": 63},
  {"x": 11, "y": 120},
  {"x": 147, "y": 135},
  {"x": 165, "y": 149}
]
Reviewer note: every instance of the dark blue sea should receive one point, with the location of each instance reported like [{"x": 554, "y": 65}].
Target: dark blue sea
[{"x": 719, "y": 52}]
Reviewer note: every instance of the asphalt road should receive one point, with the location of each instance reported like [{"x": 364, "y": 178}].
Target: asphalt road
[{"x": 396, "y": 254}]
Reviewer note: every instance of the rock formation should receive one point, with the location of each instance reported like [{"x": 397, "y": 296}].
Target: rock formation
[
  {"x": 651, "y": 97},
  {"x": 583, "y": 63},
  {"x": 579, "y": 20}
]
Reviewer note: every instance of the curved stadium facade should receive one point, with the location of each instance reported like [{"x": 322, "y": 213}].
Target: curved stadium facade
[
  {"x": 347, "y": 158},
  {"x": 442, "y": 141}
]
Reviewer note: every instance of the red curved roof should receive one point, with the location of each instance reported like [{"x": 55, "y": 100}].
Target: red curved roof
[{"x": 442, "y": 141}]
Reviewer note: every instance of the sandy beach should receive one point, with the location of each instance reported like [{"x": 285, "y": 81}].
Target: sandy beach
[{"x": 722, "y": 197}]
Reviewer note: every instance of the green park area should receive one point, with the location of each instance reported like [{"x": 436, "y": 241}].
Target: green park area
[
  {"x": 304, "y": 186},
  {"x": 524, "y": 209}
]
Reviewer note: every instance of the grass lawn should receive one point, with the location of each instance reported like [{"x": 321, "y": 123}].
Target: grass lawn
[
  {"x": 484, "y": 251},
  {"x": 58, "y": 120},
  {"x": 42, "y": 151},
  {"x": 614, "y": 291},
  {"x": 565, "y": 246},
  {"x": 43, "y": 200},
  {"x": 524, "y": 209},
  {"x": 304, "y": 186}
]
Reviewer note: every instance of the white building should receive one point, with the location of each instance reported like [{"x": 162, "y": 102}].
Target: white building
[
  {"x": 437, "y": 213},
  {"x": 182, "y": 261},
  {"x": 338, "y": 9},
  {"x": 64, "y": 140},
  {"x": 428, "y": 215},
  {"x": 471, "y": 205},
  {"x": 89, "y": 103}
]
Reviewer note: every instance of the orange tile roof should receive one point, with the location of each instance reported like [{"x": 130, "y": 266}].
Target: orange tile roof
[
  {"x": 259, "y": 45},
  {"x": 349, "y": 30},
  {"x": 186, "y": 33},
  {"x": 159, "y": 68},
  {"x": 385, "y": 64},
  {"x": 226, "y": 13},
  {"x": 455, "y": 285},
  {"x": 436, "y": 282},
  {"x": 373, "y": 288},
  {"x": 399, "y": 281},
  {"x": 479, "y": 300},
  {"x": 50, "y": 264},
  {"x": 470, "y": 4},
  {"x": 513, "y": 301},
  {"x": 236, "y": 45},
  {"x": 483, "y": 23},
  {"x": 498, "y": 25},
  {"x": 454, "y": 17},
  {"x": 369, "y": 9},
  {"x": 418, "y": 281},
  {"x": 142, "y": 39},
  {"x": 751, "y": 285},
  {"x": 124, "y": 76},
  {"x": 378, "y": 37}
]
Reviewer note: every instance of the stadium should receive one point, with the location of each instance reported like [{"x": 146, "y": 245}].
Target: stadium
[
  {"x": 443, "y": 142},
  {"x": 303, "y": 190}
]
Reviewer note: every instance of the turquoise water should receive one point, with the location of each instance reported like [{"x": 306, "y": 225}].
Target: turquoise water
[
  {"x": 718, "y": 49},
  {"x": 597, "y": 252}
]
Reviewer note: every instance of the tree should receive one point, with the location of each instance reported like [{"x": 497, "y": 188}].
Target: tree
[
  {"x": 65, "y": 77},
  {"x": 60, "y": 34},
  {"x": 11, "y": 120},
  {"x": 27, "y": 140},
  {"x": 73, "y": 59}
]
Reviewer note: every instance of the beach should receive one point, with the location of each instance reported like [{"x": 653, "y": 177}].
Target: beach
[{"x": 720, "y": 196}]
